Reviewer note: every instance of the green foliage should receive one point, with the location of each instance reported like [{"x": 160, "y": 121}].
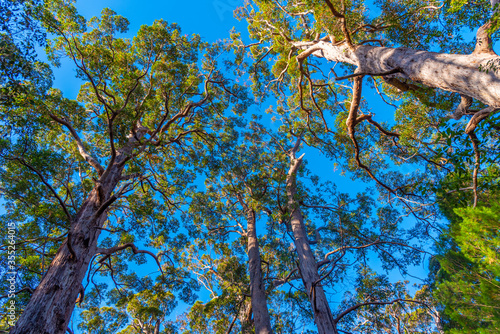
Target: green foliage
[
  {"x": 162, "y": 100},
  {"x": 468, "y": 285},
  {"x": 160, "y": 94},
  {"x": 21, "y": 74}
]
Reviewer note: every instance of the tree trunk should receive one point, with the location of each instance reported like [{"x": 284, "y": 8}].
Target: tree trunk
[
  {"x": 262, "y": 321},
  {"x": 451, "y": 72},
  {"x": 51, "y": 305},
  {"x": 307, "y": 262}
]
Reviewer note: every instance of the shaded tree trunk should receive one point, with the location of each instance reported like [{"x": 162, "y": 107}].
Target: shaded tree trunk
[
  {"x": 51, "y": 305},
  {"x": 262, "y": 321},
  {"x": 307, "y": 262}
]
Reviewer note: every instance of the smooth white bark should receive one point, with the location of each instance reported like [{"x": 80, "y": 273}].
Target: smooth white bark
[{"x": 450, "y": 72}]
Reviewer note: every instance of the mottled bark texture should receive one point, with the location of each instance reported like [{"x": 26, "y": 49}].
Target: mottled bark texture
[
  {"x": 51, "y": 305},
  {"x": 308, "y": 267}
]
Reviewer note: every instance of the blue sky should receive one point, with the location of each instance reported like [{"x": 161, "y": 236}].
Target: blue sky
[{"x": 213, "y": 20}]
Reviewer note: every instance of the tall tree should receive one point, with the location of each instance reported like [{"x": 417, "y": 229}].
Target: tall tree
[
  {"x": 243, "y": 179},
  {"x": 352, "y": 239},
  {"x": 306, "y": 38},
  {"x": 308, "y": 265},
  {"x": 149, "y": 105},
  {"x": 304, "y": 51}
]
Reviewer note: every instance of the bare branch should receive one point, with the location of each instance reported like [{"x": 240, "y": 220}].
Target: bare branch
[
  {"x": 477, "y": 164},
  {"x": 278, "y": 282},
  {"x": 27, "y": 288},
  {"x": 357, "y": 74},
  {"x": 355, "y": 307},
  {"x": 110, "y": 251}
]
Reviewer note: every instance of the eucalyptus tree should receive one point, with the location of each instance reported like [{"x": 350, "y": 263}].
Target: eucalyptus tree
[
  {"x": 145, "y": 311},
  {"x": 242, "y": 181},
  {"x": 413, "y": 53},
  {"x": 146, "y": 112},
  {"x": 330, "y": 233},
  {"x": 441, "y": 83},
  {"x": 352, "y": 236}
]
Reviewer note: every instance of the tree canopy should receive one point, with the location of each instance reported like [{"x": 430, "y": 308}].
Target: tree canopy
[{"x": 163, "y": 199}]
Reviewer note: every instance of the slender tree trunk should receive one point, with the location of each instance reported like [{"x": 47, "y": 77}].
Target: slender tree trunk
[
  {"x": 262, "y": 321},
  {"x": 51, "y": 305},
  {"x": 307, "y": 262}
]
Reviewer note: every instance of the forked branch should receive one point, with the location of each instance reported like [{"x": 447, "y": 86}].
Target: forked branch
[
  {"x": 81, "y": 148},
  {"x": 107, "y": 252},
  {"x": 355, "y": 307}
]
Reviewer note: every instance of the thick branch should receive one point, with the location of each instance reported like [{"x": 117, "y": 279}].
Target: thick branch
[
  {"x": 484, "y": 44},
  {"x": 352, "y": 121},
  {"x": 450, "y": 72},
  {"x": 478, "y": 117},
  {"x": 342, "y": 18},
  {"x": 463, "y": 107},
  {"x": 91, "y": 160}
]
